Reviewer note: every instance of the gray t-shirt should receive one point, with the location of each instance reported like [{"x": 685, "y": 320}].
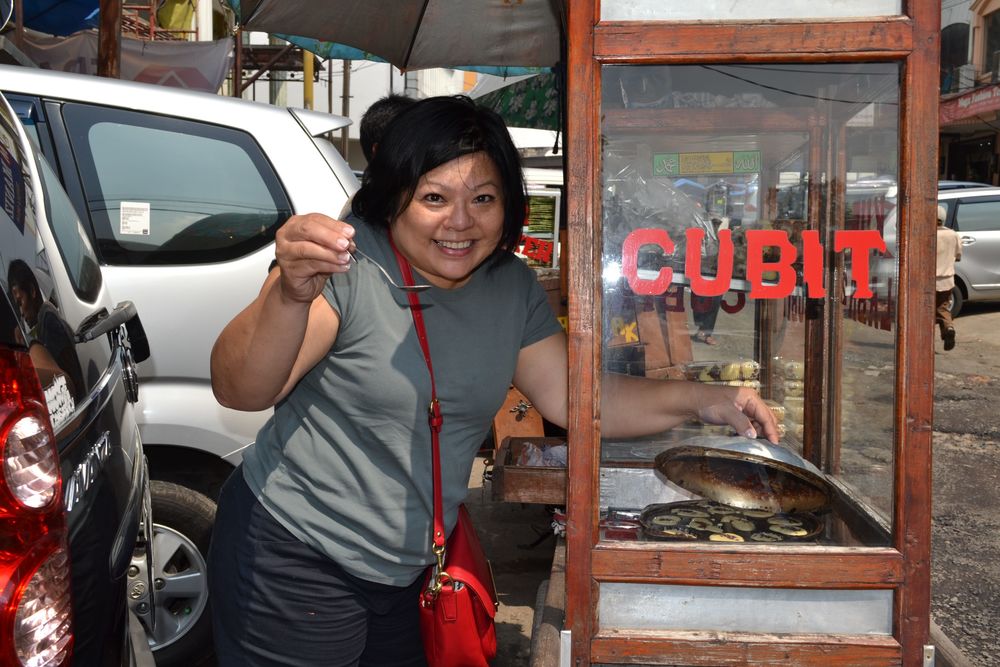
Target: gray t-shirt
[{"x": 345, "y": 462}]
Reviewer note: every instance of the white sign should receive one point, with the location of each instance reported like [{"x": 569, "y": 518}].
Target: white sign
[{"x": 134, "y": 218}]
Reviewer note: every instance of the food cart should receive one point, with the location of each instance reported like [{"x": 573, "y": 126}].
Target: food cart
[{"x": 694, "y": 547}]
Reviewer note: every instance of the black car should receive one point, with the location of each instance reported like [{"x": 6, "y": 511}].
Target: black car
[{"x": 74, "y": 499}]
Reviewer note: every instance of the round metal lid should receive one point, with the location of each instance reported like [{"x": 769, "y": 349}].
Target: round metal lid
[{"x": 746, "y": 473}]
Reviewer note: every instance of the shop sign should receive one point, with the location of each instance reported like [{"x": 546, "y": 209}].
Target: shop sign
[
  {"x": 974, "y": 102},
  {"x": 719, "y": 162},
  {"x": 769, "y": 253},
  {"x": 537, "y": 249}
]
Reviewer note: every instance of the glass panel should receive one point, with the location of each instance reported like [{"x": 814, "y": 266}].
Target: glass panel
[
  {"x": 735, "y": 609},
  {"x": 71, "y": 238},
  {"x": 675, "y": 10},
  {"x": 150, "y": 202},
  {"x": 749, "y": 239}
]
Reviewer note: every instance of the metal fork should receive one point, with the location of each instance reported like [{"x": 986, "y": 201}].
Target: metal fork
[{"x": 405, "y": 288}]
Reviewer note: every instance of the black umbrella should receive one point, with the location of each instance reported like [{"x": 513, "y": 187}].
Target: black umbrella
[{"x": 420, "y": 34}]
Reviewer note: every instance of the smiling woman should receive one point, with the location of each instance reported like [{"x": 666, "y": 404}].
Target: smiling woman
[
  {"x": 460, "y": 204},
  {"x": 337, "y": 492},
  {"x": 445, "y": 191}
]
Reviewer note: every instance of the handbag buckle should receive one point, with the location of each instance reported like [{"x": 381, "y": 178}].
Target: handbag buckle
[
  {"x": 439, "y": 578},
  {"x": 434, "y": 415}
]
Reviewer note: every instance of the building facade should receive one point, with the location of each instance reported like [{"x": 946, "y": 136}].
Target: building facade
[{"x": 969, "y": 112}]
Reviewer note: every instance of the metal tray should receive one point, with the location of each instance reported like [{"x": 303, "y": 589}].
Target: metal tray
[{"x": 746, "y": 473}]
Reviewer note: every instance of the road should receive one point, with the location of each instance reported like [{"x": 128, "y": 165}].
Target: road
[{"x": 965, "y": 572}]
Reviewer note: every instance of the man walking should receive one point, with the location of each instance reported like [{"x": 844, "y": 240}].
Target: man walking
[{"x": 949, "y": 251}]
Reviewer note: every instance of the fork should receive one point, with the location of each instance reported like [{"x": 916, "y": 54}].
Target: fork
[{"x": 405, "y": 288}]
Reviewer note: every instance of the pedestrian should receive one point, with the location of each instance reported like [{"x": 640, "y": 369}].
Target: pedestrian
[
  {"x": 704, "y": 311},
  {"x": 324, "y": 532},
  {"x": 949, "y": 251},
  {"x": 376, "y": 119}
]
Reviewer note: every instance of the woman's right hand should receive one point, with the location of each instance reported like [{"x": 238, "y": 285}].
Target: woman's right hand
[{"x": 309, "y": 248}]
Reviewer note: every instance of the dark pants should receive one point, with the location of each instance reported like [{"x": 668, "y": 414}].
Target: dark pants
[
  {"x": 942, "y": 313},
  {"x": 704, "y": 311},
  {"x": 277, "y": 601}
]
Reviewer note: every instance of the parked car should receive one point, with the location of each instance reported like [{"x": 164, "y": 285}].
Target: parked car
[
  {"x": 180, "y": 194},
  {"x": 975, "y": 215},
  {"x": 961, "y": 185},
  {"x": 973, "y": 212},
  {"x": 75, "y": 533}
]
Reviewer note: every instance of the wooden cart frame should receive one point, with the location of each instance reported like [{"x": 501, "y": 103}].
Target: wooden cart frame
[{"x": 904, "y": 567}]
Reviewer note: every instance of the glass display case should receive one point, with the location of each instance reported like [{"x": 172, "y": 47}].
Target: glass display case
[
  {"x": 745, "y": 215},
  {"x": 738, "y": 179}
]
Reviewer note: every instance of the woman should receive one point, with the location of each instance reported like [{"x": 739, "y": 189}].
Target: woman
[{"x": 323, "y": 533}]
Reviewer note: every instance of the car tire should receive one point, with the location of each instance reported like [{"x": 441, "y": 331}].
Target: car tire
[
  {"x": 182, "y": 530},
  {"x": 957, "y": 300}
]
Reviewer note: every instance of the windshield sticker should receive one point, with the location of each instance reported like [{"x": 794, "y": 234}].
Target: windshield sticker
[{"x": 134, "y": 218}]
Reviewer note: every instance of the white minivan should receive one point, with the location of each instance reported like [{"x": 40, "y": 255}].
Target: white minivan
[{"x": 180, "y": 194}]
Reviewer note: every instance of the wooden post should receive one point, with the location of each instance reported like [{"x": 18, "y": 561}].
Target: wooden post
[
  {"x": 19, "y": 23},
  {"x": 238, "y": 62},
  {"x": 109, "y": 39}
]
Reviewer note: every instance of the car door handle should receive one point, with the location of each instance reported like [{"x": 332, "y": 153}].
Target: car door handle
[{"x": 968, "y": 240}]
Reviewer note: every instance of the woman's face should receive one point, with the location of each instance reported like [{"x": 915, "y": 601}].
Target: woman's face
[{"x": 454, "y": 220}]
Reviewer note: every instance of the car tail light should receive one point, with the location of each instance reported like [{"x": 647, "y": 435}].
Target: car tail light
[{"x": 35, "y": 610}]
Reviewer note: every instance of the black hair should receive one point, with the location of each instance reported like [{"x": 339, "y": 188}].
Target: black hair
[
  {"x": 20, "y": 275},
  {"x": 425, "y": 136},
  {"x": 377, "y": 118}
]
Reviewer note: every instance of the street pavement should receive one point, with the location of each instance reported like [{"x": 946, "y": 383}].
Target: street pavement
[{"x": 965, "y": 571}]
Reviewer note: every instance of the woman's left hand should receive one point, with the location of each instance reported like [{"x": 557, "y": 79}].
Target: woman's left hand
[{"x": 739, "y": 407}]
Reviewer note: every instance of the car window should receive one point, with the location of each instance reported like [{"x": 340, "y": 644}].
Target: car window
[
  {"x": 71, "y": 239},
  {"x": 164, "y": 190},
  {"x": 978, "y": 216}
]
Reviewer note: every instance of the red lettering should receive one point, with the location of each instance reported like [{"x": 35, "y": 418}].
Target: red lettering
[
  {"x": 630, "y": 261},
  {"x": 692, "y": 263},
  {"x": 737, "y": 306},
  {"x": 812, "y": 264},
  {"x": 757, "y": 240},
  {"x": 859, "y": 243},
  {"x": 538, "y": 249}
]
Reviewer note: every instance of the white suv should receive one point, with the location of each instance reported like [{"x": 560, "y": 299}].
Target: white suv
[
  {"x": 181, "y": 194},
  {"x": 974, "y": 212}
]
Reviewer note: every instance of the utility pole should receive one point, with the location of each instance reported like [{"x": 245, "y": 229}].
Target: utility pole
[
  {"x": 109, "y": 39},
  {"x": 345, "y": 110},
  {"x": 203, "y": 21},
  {"x": 308, "y": 66}
]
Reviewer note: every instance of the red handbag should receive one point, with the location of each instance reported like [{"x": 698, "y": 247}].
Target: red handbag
[{"x": 459, "y": 601}]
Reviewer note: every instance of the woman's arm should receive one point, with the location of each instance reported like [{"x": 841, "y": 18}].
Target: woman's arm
[
  {"x": 636, "y": 406},
  {"x": 267, "y": 348}
]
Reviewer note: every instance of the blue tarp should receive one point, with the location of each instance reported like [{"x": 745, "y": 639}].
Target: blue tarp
[{"x": 60, "y": 17}]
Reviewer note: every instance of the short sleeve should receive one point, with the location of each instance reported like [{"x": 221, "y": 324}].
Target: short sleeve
[{"x": 540, "y": 321}]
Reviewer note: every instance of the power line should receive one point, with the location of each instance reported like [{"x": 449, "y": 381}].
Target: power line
[{"x": 795, "y": 93}]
